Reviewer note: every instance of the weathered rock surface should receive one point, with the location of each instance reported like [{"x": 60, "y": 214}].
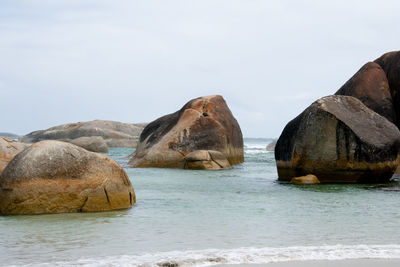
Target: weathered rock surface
[
  {"x": 204, "y": 123},
  {"x": 206, "y": 160},
  {"x": 338, "y": 139},
  {"x": 371, "y": 86},
  {"x": 390, "y": 63},
  {"x": 308, "y": 179},
  {"x": 271, "y": 146},
  {"x": 8, "y": 149},
  {"x": 114, "y": 133},
  {"x": 58, "y": 177},
  {"x": 93, "y": 144}
]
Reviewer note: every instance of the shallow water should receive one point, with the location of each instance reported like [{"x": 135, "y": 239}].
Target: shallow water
[{"x": 207, "y": 217}]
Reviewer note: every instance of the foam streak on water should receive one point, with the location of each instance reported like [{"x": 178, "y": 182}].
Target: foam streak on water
[{"x": 239, "y": 256}]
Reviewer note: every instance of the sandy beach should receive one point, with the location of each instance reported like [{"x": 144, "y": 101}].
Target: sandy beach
[{"x": 325, "y": 263}]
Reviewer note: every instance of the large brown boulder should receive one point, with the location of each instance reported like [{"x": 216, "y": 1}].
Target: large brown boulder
[
  {"x": 93, "y": 143},
  {"x": 8, "y": 149},
  {"x": 371, "y": 86},
  {"x": 390, "y": 63},
  {"x": 338, "y": 139},
  {"x": 115, "y": 134},
  {"x": 204, "y": 123},
  {"x": 57, "y": 177}
]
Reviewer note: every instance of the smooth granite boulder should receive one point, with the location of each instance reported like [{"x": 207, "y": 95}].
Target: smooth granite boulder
[
  {"x": 371, "y": 86},
  {"x": 93, "y": 144},
  {"x": 206, "y": 160},
  {"x": 308, "y": 179},
  {"x": 115, "y": 134},
  {"x": 204, "y": 123},
  {"x": 58, "y": 177},
  {"x": 338, "y": 139},
  {"x": 390, "y": 63},
  {"x": 8, "y": 149}
]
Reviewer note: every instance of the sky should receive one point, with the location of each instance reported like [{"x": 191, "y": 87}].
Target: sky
[{"x": 134, "y": 61}]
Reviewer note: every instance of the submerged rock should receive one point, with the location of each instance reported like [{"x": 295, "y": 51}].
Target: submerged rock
[
  {"x": 204, "y": 123},
  {"x": 8, "y": 149},
  {"x": 308, "y": 179},
  {"x": 371, "y": 86},
  {"x": 206, "y": 160},
  {"x": 93, "y": 144},
  {"x": 114, "y": 133},
  {"x": 57, "y": 177},
  {"x": 338, "y": 139}
]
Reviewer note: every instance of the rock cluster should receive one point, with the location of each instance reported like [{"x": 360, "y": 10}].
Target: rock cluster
[
  {"x": 352, "y": 136},
  {"x": 205, "y": 124}
]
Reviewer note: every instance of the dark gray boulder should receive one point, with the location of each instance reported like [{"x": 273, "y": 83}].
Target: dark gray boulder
[{"x": 338, "y": 139}]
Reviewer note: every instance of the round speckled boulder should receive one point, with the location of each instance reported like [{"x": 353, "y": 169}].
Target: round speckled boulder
[{"x": 57, "y": 177}]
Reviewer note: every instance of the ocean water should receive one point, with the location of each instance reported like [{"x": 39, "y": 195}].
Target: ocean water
[{"x": 202, "y": 218}]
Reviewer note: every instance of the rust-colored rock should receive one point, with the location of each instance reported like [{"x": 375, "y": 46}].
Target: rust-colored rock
[
  {"x": 371, "y": 86},
  {"x": 338, "y": 139},
  {"x": 58, "y": 177},
  {"x": 8, "y": 149},
  {"x": 206, "y": 160},
  {"x": 308, "y": 179},
  {"x": 204, "y": 123},
  {"x": 390, "y": 63}
]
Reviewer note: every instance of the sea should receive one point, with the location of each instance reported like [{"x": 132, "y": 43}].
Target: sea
[{"x": 242, "y": 215}]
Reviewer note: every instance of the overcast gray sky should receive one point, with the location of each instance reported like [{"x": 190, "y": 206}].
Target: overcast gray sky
[{"x": 133, "y": 61}]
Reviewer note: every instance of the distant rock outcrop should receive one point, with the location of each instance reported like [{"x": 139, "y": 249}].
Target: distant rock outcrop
[
  {"x": 338, "y": 139},
  {"x": 204, "y": 123},
  {"x": 10, "y": 135},
  {"x": 271, "y": 146},
  {"x": 8, "y": 149},
  {"x": 115, "y": 134},
  {"x": 58, "y": 177}
]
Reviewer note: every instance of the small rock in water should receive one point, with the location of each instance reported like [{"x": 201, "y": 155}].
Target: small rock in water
[{"x": 308, "y": 179}]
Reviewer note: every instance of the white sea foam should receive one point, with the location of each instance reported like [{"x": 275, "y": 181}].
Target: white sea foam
[
  {"x": 239, "y": 256},
  {"x": 256, "y": 151}
]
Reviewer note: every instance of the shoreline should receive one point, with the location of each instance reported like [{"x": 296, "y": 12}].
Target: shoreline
[{"x": 325, "y": 263}]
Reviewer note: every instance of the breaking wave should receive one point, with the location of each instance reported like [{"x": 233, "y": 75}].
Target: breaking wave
[{"x": 248, "y": 255}]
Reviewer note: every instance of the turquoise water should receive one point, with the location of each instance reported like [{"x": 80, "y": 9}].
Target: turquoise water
[{"x": 199, "y": 218}]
